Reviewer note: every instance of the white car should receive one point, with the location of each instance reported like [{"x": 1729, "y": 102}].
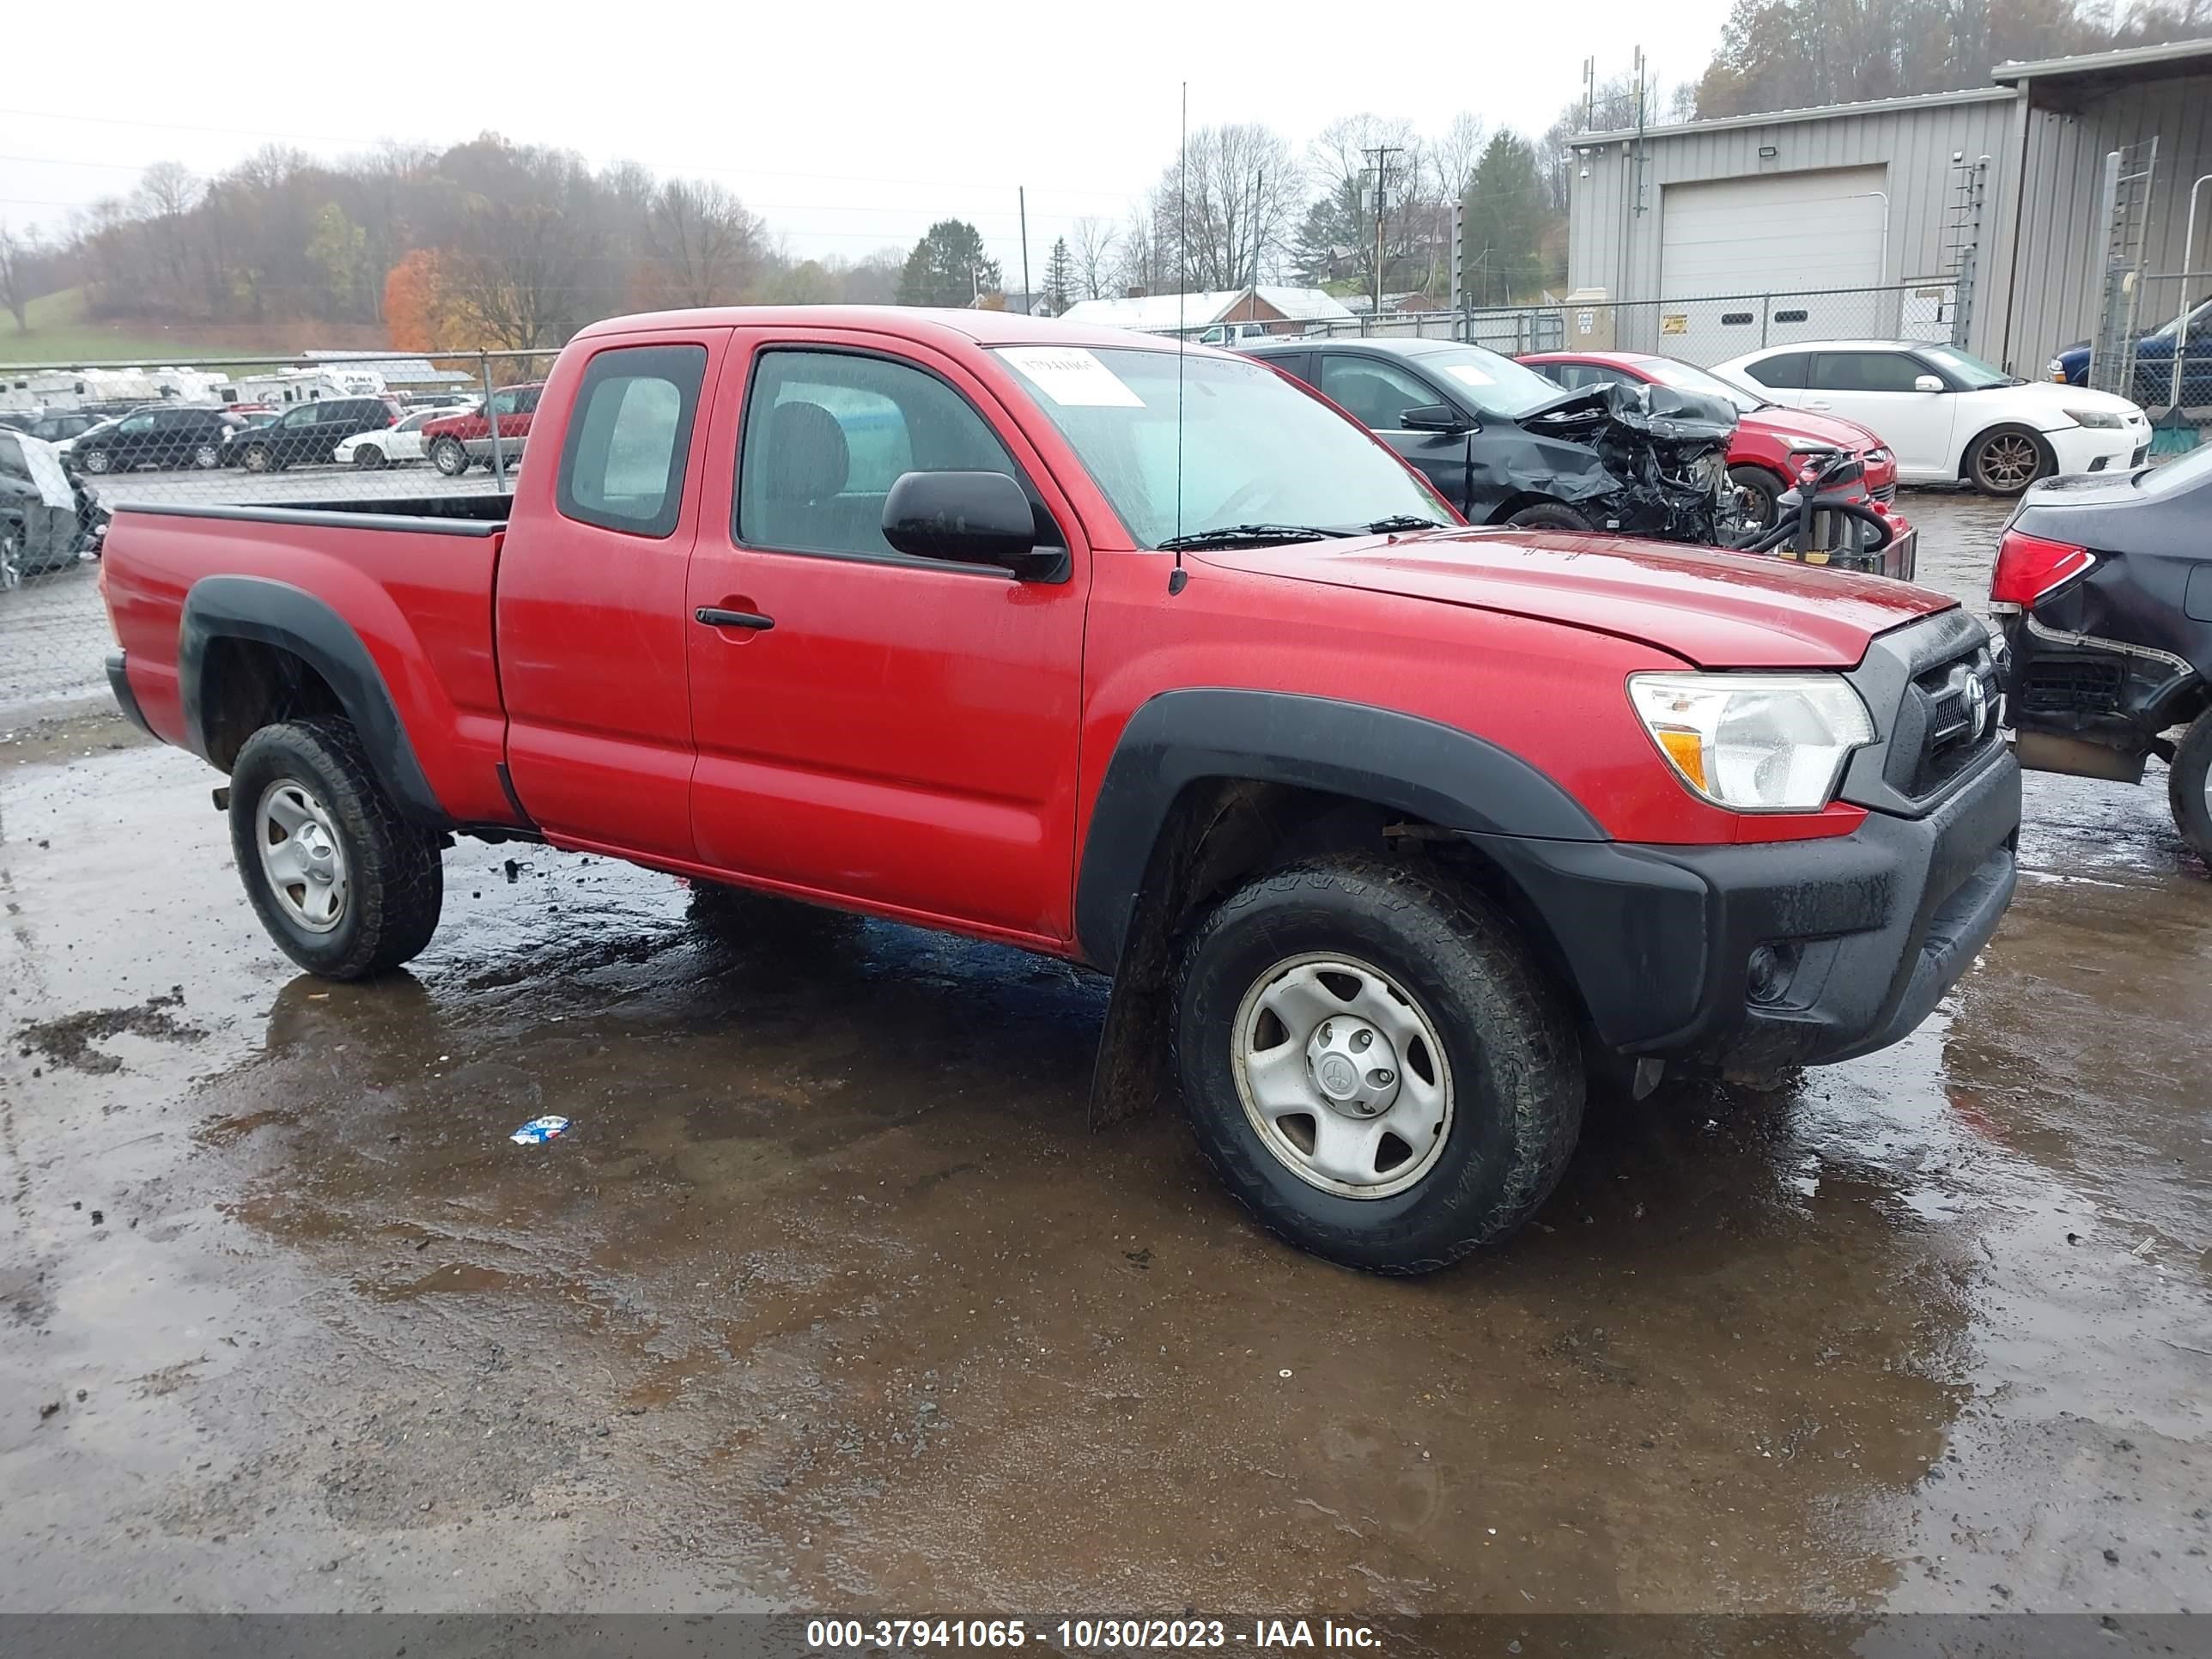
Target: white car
[
  {"x": 1949, "y": 415},
  {"x": 391, "y": 445}
]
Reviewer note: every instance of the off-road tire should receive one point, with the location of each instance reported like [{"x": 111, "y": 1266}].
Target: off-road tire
[
  {"x": 449, "y": 456},
  {"x": 2186, "y": 781},
  {"x": 396, "y": 878},
  {"x": 1764, "y": 490},
  {"x": 1549, "y": 516},
  {"x": 1515, "y": 1060},
  {"x": 1983, "y": 454}
]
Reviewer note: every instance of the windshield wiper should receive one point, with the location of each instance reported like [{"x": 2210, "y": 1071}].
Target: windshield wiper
[
  {"x": 1403, "y": 521},
  {"x": 1249, "y": 534}
]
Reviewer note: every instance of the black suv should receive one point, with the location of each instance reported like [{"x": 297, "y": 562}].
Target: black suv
[
  {"x": 308, "y": 433},
  {"x": 158, "y": 435}
]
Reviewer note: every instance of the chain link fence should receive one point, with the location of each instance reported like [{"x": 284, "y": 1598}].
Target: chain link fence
[{"x": 319, "y": 428}]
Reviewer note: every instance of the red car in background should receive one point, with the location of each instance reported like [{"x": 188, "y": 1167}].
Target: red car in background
[
  {"x": 454, "y": 441},
  {"x": 1766, "y": 433}
]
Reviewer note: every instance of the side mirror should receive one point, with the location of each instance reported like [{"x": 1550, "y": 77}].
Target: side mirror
[
  {"x": 964, "y": 518},
  {"x": 1434, "y": 417},
  {"x": 1927, "y": 383}
]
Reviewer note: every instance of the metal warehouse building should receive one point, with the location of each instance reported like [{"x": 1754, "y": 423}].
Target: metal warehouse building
[{"x": 1998, "y": 216}]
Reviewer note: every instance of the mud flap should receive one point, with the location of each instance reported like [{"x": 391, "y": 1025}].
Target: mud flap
[{"x": 1132, "y": 1074}]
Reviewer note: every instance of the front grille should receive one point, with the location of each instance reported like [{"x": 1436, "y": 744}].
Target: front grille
[
  {"x": 1885, "y": 495},
  {"x": 2061, "y": 685},
  {"x": 1957, "y": 704}
]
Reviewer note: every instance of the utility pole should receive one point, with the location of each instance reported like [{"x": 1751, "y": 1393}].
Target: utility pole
[
  {"x": 1379, "y": 158},
  {"x": 1028, "y": 299}
]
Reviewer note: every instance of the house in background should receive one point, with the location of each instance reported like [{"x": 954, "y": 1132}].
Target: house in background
[
  {"x": 1278, "y": 310},
  {"x": 1819, "y": 206}
]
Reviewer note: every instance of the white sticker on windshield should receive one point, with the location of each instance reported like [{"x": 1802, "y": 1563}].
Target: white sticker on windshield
[
  {"x": 1468, "y": 374},
  {"x": 1072, "y": 377}
]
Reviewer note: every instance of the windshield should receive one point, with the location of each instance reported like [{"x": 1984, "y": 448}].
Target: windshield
[
  {"x": 1685, "y": 377},
  {"x": 1254, "y": 448},
  {"x": 1494, "y": 385},
  {"x": 2200, "y": 315},
  {"x": 1977, "y": 375}
]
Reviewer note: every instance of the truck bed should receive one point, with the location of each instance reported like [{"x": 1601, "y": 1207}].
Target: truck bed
[{"x": 397, "y": 593}]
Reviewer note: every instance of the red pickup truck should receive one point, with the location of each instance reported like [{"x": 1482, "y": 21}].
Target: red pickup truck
[
  {"x": 1389, "y": 829},
  {"x": 452, "y": 442}
]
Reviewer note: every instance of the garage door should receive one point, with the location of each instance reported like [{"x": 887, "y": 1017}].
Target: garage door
[{"x": 1777, "y": 234}]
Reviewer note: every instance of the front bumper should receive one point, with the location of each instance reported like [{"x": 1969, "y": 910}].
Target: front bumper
[
  {"x": 1864, "y": 932},
  {"x": 2096, "y": 449}
]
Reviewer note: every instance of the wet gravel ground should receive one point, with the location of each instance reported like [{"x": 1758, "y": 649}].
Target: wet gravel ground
[{"x": 832, "y": 1297}]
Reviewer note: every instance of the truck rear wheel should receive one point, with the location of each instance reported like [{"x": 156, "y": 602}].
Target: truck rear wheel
[
  {"x": 2189, "y": 787},
  {"x": 1373, "y": 1064},
  {"x": 344, "y": 884}
]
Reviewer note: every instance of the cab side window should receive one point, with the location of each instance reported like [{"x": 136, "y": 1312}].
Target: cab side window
[
  {"x": 1376, "y": 393},
  {"x": 623, "y": 461},
  {"x": 827, "y": 434},
  {"x": 1865, "y": 371}
]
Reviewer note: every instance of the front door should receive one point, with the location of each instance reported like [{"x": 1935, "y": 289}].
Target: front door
[
  {"x": 590, "y": 604},
  {"x": 1880, "y": 390},
  {"x": 894, "y": 731},
  {"x": 1377, "y": 394}
]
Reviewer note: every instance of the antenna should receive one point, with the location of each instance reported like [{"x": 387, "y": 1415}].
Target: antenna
[{"x": 1178, "y": 576}]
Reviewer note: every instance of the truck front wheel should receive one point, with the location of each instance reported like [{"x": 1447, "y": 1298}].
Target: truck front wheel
[
  {"x": 344, "y": 884},
  {"x": 1373, "y": 1064},
  {"x": 2189, "y": 787}
]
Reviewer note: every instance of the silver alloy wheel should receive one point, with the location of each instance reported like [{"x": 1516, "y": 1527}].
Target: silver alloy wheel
[
  {"x": 2010, "y": 462},
  {"x": 207, "y": 458},
  {"x": 1343, "y": 1076},
  {"x": 301, "y": 855},
  {"x": 98, "y": 461}
]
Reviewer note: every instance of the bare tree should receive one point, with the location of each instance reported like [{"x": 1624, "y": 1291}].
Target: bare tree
[
  {"x": 1094, "y": 257},
  {"x": 1452, "y": 157},
  {"x": 706, "y": 246},
  {"x": 518, "y": 283},
  {"x": 1229, "y": 205},
  {"x": 15, "y": 252}
]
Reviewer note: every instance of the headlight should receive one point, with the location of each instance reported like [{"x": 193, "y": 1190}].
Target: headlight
[
  {"x": 2056, "y": 370},
  {"x": 2094, "y": 418},
  {"x": 1878, "y": 456},
  {"x": 1755, "y": 743}
]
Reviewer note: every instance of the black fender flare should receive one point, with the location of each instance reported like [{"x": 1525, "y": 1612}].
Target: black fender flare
[
  {"x": 274, "y": 613},
  {"x": 1400, "y": 762}
]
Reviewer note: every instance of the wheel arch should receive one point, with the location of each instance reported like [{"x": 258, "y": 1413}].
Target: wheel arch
[
  {"x": 1207, "y": 787},
  {"x": 252, "y": 651}
]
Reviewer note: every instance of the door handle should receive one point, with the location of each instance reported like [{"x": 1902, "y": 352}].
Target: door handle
[
  {"x": 1814, "y": 404},
  {"x": 715, "y": 616}
]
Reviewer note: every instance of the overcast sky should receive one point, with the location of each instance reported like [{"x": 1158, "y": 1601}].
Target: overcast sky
[{"x": 847, "y": 125}]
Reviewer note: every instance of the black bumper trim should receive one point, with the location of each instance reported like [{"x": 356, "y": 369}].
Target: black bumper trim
[
  {"x": 118, "y": 682},
  {"x": 1657, "y": 940}
]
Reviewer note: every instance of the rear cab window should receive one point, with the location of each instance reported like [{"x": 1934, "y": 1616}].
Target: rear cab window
[{"x": 623, "y": 461}]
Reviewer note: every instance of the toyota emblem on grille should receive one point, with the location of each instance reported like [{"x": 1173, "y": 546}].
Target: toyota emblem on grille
[{"x": 1978, "y": 705}]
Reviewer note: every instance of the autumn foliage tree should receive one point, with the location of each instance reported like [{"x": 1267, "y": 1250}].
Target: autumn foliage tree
[{"x": 415, "y": 309}]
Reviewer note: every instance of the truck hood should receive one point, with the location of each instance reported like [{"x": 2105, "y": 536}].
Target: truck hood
[{"x": 1713, "y": 609}]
